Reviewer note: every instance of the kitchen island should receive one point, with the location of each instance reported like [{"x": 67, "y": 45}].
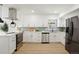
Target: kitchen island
[{"x": 7, "y": 43}]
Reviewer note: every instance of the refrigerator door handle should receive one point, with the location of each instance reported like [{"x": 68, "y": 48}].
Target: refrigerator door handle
[
  {"x": 72, "y": 28},
  {"x": 70, "y": 33},
  {"x": 67, "y": 29}
]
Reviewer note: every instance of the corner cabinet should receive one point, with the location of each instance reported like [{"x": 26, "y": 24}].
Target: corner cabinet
[{"x": 7, "y": 43}]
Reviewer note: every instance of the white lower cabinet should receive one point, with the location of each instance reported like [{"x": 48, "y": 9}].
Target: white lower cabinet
[
  {"x": 37, "y": 37},
  {"x": 32, "y": 36},
  {"x": 12, "y": 43},
  {"x": 7, "y": 44},
  {"x": 27, "y": 36},
  {"x": 3, "y": 45},
  {"x": 57, "y": 37},
  {"x": 54, "y": 37}
]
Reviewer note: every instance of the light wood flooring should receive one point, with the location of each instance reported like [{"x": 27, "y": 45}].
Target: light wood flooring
[{"x": 52, "y": 48}]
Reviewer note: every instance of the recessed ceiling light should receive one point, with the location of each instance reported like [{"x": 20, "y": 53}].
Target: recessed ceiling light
[{"x": 33, "y": 11}]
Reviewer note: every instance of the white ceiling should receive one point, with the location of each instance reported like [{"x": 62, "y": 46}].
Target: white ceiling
[{"x": 43, "y": 8}]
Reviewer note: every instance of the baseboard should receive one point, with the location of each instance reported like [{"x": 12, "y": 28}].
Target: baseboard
[{"x": 31, "y": 42}]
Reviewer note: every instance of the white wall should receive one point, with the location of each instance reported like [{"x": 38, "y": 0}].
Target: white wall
[
  {"x": 68, "y": 15},
  {"x": 69, "y": 11},
  {"x": 71, "y": 14},
  {"x": 33, "y": 19}
]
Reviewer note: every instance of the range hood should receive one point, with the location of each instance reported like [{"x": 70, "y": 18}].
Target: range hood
[{"x": 12, "y": 14}]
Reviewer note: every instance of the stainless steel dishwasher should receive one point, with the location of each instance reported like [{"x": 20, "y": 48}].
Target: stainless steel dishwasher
[{"x": 45, "y": 37}]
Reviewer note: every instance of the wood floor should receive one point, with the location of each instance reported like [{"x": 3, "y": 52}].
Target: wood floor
[{"x": 53, "y": 48}]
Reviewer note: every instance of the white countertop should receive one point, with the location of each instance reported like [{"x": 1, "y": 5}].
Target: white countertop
[{"x": 5, "y": 34}]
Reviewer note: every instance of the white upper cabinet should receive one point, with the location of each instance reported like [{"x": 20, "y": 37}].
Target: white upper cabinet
[
  {"x": 4, "y": 11},
  {"x": 0, "y": 11},
  {"x": 52, "y": 23},
  {"x": 61, "y": 22}
]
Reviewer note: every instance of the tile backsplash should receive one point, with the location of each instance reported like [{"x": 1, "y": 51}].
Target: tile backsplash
[{"x": 32, "y": 28}]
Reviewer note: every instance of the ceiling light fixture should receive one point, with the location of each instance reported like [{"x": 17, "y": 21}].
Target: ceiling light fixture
[
  {"x": 13, "y": 24},
  {"x": 33, "y": 11}
]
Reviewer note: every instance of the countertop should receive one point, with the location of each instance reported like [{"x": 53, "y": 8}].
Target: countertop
[
  {"x": 5, "y": 34},
  {"x": 46, "y": 31},
  {"x": 9, "y": 33}
]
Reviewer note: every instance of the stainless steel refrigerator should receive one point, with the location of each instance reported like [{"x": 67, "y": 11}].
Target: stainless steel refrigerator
[{"x": 72, "y": 35}]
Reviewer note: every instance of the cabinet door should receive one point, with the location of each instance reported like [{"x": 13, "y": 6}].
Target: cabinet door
[
  {"x": 36, "y": 37},
  {"x": 62, "y": 23},
  {"x": 27, "y": 36},
  {"x": 0, "y": 11},
  {"x": 5, "y": 12},
  {"x": 32, "y": 36},
  {"x": 56, "y": 37},
  {"x": 61, "y": 36},
  {"x": 53, "y": 37},
  {"x": 12, "y": 44},
  {"x": 3, "y": 44},
  {"x": 39, "y": 36}
]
